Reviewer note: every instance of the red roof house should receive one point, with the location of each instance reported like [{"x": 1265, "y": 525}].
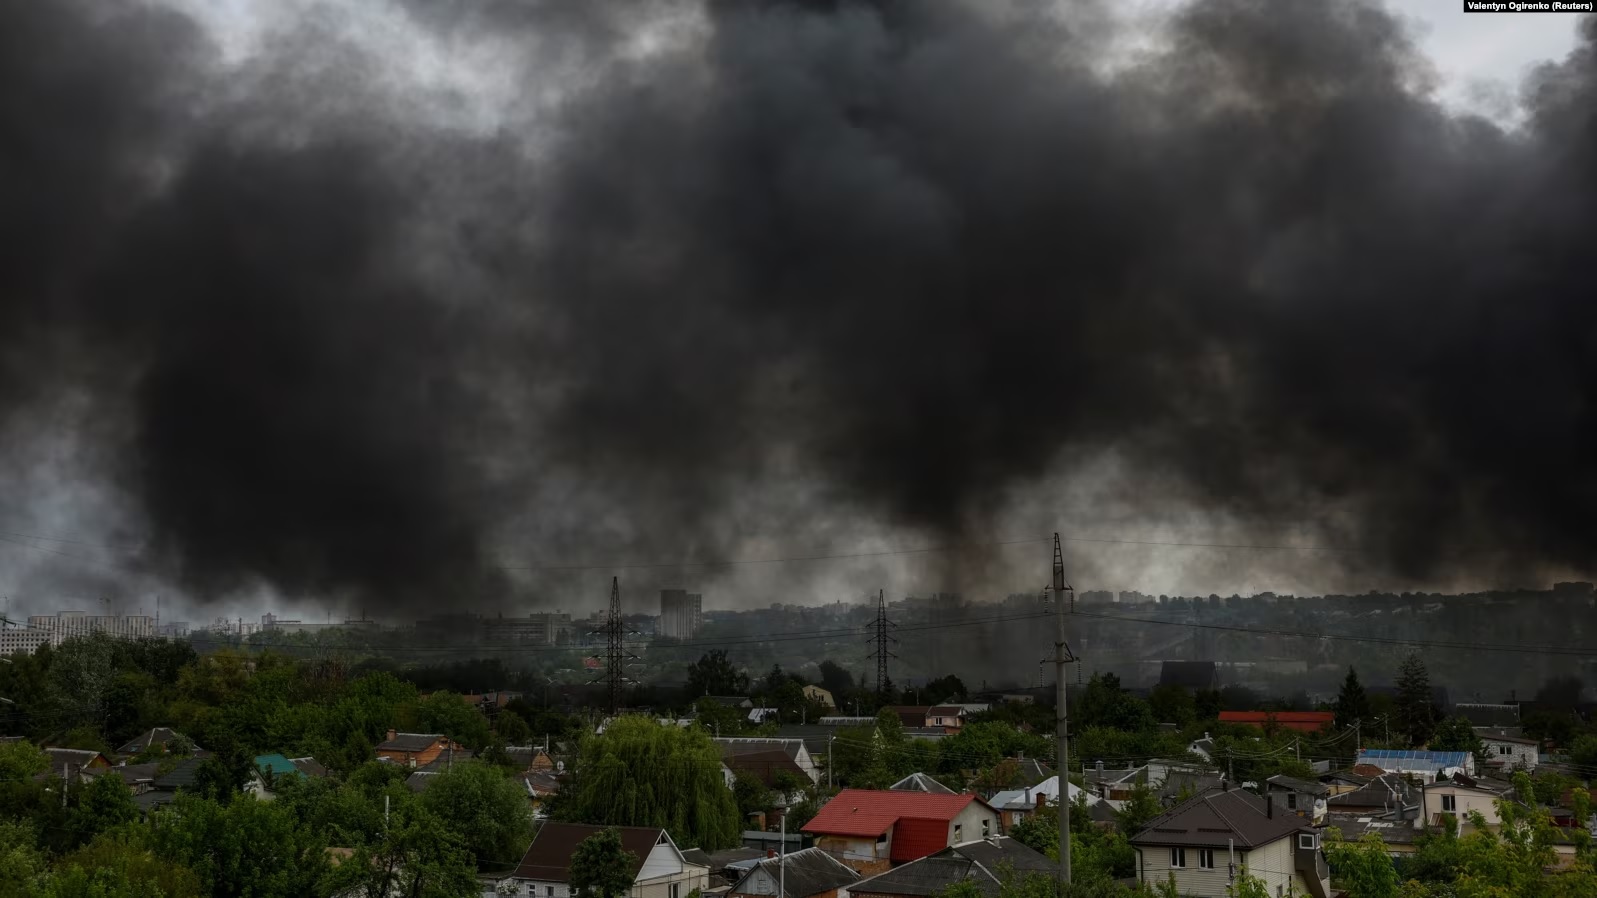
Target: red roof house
[
  {"x": 1302, "y": 721},
  {"x": 871, "y": 830}
]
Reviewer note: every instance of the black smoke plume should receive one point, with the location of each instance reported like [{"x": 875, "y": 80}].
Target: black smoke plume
[{"x": 889, "y": 259}]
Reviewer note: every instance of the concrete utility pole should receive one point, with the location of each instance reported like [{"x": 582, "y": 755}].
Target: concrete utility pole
[{"x": 1062, "y": 656}]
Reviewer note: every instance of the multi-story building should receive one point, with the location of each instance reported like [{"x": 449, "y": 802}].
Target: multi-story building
[
  {"x": 681, "y": 613},
  {"x": 545, "y": 628},
  {"x": 22, "y": 640},
  {"x": 67, "y": 624}
]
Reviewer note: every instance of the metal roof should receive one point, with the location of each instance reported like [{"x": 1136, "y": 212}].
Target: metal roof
[{"x": 1211, "y": 819}]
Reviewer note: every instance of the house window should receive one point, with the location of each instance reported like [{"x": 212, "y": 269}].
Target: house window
[
  {"x": 986, "y": 829},
  {"x": 676, "y": 890},
  {"x": 959, "y": 833},
  {"x": 1292, "y": 800},
  {"x": 1206, "y": 858},
  {"x": 1502, "y": 749},
  {"x": 1178, "y": 857},
  {"x": 549, "y": 891},
  {"x": 1449, "y": 803},
  {"x": 1305, "y": 840}
]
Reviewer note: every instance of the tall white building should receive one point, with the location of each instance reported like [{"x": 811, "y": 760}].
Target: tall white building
[
  {"x": 68, "y": 624},
  {"x": 22, "y": 640},
  {"x": 681, "y": 613}
]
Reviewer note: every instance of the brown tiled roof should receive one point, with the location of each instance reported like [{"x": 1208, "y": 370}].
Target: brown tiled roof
[
  {"x": 549, "y": 857},
  {"x": 411, "y": 742},
  {"x": 1215, "y": 817}
]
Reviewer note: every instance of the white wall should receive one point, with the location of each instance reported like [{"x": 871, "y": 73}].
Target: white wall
[
  {"x": 1512, "y": 754},
  {"x": 970, "y": 820},
  {"x": 1465, "y": 800}
]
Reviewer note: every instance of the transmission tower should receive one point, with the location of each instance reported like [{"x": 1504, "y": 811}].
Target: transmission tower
[
  {"x": 616, "y": 654},
  {"x": 882, "y": 638}
]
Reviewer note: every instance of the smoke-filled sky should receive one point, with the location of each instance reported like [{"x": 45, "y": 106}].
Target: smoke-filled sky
[{"x": 396, "y": 307}]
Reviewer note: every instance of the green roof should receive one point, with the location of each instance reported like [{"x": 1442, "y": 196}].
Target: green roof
[{"x": 277, "y": 765}]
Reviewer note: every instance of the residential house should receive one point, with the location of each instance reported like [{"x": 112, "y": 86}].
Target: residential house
[
  {"x": 1425, "y": 764},
  {"x": 1196, "y": 841},
  {"x": 139, "y": 778},
  {"x": 809, "y": 873},
  {"x": 1395, "y": 831},
  {"x": 920, "y": 782},
  {"x": 415, "y": 749},
  {"x": 1460, "y": 796},
  {"x": 1193, "y": 676},
  {"x": 533, "y": 759},
  {"x": 74, "y": 762},
  {"x": 766, "y": 756},
  {"x": 978, "y": 862},
  {"x": 1115, "y": 785},
  {"x": 731, "y": 701},
  {"x": 165, "y": 788},
  {"x": 911, "y": 715},
  {"x": 871, "y": 830},
  {"x": 949, "y": 718},
  {"x": 1381, "y": 794},
  {"x": 1204, "y": 748},
  {"x": 1340, "y": 781},
  {"x": 761, "y": 715},
  {"x": 423, "y": 776},
  {"x": 541, "y": 786},
  {"x": 658, "y": 868},
  {"x": 1301, "y": 721},
  {"x": 271, "y": 769},
  {"x": 817, "y": 737},
  {"x": 820, "y": 695},
  {"x": 164, "y": 738},
  {"x": 1015, "y": 805},
  {"x": 1305, "y": 798},
  {"x": 1508, "y": 751}
]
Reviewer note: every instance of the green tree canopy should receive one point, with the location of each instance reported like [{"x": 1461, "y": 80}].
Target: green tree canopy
[
  {"x": 713, "y": 674},
  {"x": 1414, "y": 712},
  {"x": 638, "y": 773},
  {"x": 489, "y": 812},
  {"x": 1456, "y": 734},
  {"x": 1352, "y": 703},
  {"x": 244, "y": 849},
  {"x": 601, "y": 867}
]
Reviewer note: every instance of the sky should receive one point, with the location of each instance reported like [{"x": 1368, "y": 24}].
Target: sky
[{"x": 59, "y": 519}]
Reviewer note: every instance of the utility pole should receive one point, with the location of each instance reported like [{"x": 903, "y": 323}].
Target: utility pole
[
  {"x": 882, "y": 638},
  {"x": 1062, "y": 656},
  {"x": 615, "y": 632}
]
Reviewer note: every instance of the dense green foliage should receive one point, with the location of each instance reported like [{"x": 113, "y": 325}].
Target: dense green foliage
[
  {"x": 601, "y": 867},
  {"x": 638, "y": 773}
]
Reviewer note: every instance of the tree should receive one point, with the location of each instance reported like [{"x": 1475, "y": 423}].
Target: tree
[
  {"x": 1247, "y": 886},
  {"x": 712, "y": 674},
  {"x": 1172, "y": 703},
  {"x": 512, "y": 729},
  {"x": 1456, "y": 734},
  {"x": 638, "y": 773},
  {"x": 20, "y": 862},
  {"x": 1141, "y": 807},
  {"x": 244, "y": 849},
  {"x": 121, "y": 863},
  {"x": 751, "y": 794},
  {"x": 488, "y": 812},
  {"x": 946, "y": 688},
  {"x": 1352, "y": 704},
  {"x": 601, "y": 867},
  {"x": 1363, "y": 868},
  {"x": 21, "y": 760},
  {"x": 1583, "y": 752},
  {"x": 418, "y": 857},
  {"x": 837, "y": 680},
  {"x": 447, "y": 713},
  {"x": 105, "y": 803},
  {"x": 1414, "y": 714}
]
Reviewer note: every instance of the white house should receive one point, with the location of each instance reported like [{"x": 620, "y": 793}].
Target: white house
[
  {"x": 1458, "y": 797},
  {"x": 659, "y": 871},
  {"x": 1197, "y": 841},
  {"x": 1504, "y": 752}
]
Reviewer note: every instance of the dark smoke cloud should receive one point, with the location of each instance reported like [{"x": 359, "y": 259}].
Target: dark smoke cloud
[{"x": 888, "y": 260}]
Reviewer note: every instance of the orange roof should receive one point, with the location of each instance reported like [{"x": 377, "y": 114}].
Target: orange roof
[
  {"x": 1303, "y": 721},
  {"x": 871, "y": 812}
]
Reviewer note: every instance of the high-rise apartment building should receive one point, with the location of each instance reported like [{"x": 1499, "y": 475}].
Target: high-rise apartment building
[
  {"x": 68, "y": 624},
  {"x": 681, "y": 613},
  {"x": 21, "y": 640}
]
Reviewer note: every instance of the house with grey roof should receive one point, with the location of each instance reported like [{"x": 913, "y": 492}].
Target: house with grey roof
[
  {"x": 1197, "y": 842},
  {"x": 1305, "y": 798},
  {"x": 164, "y": 738},
  {"x": 1508, "y": 750},
  {"x": 979, "y": 862},
  {"x": 810, "y": 873},
  {"x": 415, "y": 750}
]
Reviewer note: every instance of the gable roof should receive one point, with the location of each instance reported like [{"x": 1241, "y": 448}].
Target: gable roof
[
  {"x": 309, "y": 767},
  {"x": 1302, "y": 721},
  {"x": 1385, "y": 791},
  {"x": 764, "y": 765},
  {"x": 910, "y": 715},
  {"x": 871, "y": 812},
  {"x": 1215, "y": 817},
  {"x": 548, "y": 859},
  {"x": 154, "y": 736},
  {"x": 1308, "y": 787},
  {"x": 978, "y": 862},
  {"x": 411, "y": 742},
  {"x": 806, "y": 873},
  {"x": 180, "y": 777},
  {"x": 920, "y": 782},
  {"x": 1026, "y": 799},
  {"x": 133, "y": 774},
  {"x": 73, "y": 757},
  {"x": 276, "y": 765},
  {"x": 730, "y": 746}
]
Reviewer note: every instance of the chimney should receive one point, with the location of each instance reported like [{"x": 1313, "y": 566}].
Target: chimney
[
  {"x": 1269, "y": 806},
  {"x": 770, "y": 853},
  {"x": 1041, "y": 800},
  {"x": 1098, "y": 766},
  {"x": 391, "y": 734}
]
